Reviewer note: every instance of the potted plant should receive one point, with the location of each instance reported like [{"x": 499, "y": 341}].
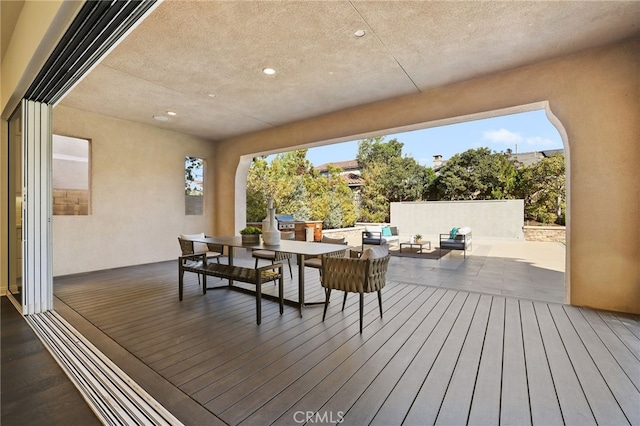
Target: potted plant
[
  {"x": 417, "y": 238},
  {"x": 250, "y": 235}
]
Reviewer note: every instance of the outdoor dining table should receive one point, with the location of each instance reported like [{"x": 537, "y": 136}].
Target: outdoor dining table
[{"x": 302, "y": 250}]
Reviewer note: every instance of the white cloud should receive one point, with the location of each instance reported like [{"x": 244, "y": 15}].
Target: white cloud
[
  {"x": 503, "y": 136},
  {"x": 539, "y": 141}
]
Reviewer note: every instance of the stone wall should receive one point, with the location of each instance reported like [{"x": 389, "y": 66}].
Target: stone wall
[
  {"x": 70, "y": 202},
  {"x": 545, "y": 233},
  {"x": 352, "y": 236}
]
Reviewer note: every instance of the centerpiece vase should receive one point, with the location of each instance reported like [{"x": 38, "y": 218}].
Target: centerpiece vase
[{"x": 270, "y": 232}]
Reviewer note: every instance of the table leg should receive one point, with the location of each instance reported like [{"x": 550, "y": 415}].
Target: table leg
[
  {"x": 300, "y": 259},
  {"x": 231, "y": 252}
]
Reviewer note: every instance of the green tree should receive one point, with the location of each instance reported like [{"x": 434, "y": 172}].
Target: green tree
[
  {"x": 374, "y": 206},
  {"x": 388, "y": 177},
  {"x": 257, "y": 187},
  {"x": 477, "y": 174},
  {"x": 298, "y": 190},
  {"x": 542, "y": 185},
  {"x": 332, "y": 200}
]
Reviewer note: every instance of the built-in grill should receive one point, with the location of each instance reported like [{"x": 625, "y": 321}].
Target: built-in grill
[
  {"x": 286, "y": 222},
  {"x": 310, "y": 230}
]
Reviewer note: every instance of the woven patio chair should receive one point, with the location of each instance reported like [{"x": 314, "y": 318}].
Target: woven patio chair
[
  {"x": 366, "y": 274},
  {"x": 276, "y": 256},
  {"x": 316, "y": 262}
]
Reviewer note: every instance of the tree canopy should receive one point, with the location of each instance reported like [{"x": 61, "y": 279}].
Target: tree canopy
[
  {"x": 476, "y": 174},
  {"x": 297, "y": 189},
  {"x": 389, "y": 176}
]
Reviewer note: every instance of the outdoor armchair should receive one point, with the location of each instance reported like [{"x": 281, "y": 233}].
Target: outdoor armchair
[{"x": 366, "y": 274}]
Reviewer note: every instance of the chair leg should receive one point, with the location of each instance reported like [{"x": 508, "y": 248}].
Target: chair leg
[
  {"x": 327, "y": 292},
  {"x": 344, "y": 301},
  {"x": 256, "y": 267},
  {"x": 290, "y": 271},
  {"x": 361, "y": 310},
  {"x": 259, "y": 303},
  {"x": 380, "y": 301},
  {"x": 281, "y": 293},
  {"x": 180, "y": 284}
]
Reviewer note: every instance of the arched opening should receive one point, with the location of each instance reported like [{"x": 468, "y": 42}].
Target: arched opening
[{"x": 245, "y": 162}]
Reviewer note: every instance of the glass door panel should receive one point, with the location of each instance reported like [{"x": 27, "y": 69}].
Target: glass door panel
[{"x": 15, "y": 204}]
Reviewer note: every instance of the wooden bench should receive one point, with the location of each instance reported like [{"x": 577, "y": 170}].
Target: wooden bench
[{"x": 197, "y": 263}]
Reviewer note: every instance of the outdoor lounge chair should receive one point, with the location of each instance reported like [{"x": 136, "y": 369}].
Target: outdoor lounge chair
[
  {"x": 380, "y": 235},
  {"x": 365, "y": 274},
  {"x": 457, "y": 239}
]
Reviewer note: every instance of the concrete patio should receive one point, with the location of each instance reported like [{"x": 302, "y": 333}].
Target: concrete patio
[{"x": 523, "y": 269}]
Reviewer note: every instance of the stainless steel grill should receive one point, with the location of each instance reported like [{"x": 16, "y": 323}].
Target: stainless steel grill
[{"x": 285, "y": 222}]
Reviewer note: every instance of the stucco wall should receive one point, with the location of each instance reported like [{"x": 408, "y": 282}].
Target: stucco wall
[
  {"x": 137, "y": 192},
  {"x": 594, "y": 94},
  {"x": 487, "y": 218}
]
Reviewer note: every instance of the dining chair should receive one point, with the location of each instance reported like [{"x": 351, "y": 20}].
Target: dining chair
[
  {"x": 316, "y": 262},
  {"x": 190, "y": 258},
  {"x": 193, "y": 250},
  {"x": 364, "y": 274},
  {"x": 214, "y": 251},
  {"x": 276, "y": 256}
]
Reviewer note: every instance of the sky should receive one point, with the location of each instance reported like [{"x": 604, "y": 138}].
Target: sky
[{"x": 522, "y": 132}]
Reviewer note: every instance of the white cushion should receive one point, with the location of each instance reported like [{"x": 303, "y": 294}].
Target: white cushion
[
  {"x": 376, "y": 252},
  {"x": 197, "y": 247},
  {"x": 464, "y": 230},
  {"x": 374, "y": 229}
]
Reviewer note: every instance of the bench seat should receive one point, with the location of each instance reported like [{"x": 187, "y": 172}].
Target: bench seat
[{"x": 256, "y": 276}]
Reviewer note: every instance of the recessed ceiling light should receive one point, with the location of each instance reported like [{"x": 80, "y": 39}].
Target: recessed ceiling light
[
  {"x": 359, "y": 33},
  {"x": 171, "y": 113},
  {"x": 211, "y": 95},
  {"x": 160, "y": 118},
  {"x": 269, "y": 71}
]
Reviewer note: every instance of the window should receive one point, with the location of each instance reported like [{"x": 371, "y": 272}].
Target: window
[
  {"x": 193, "y": 186},
  {"x": 71, "y": 195}
]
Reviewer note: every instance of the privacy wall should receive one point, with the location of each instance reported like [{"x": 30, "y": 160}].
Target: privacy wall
[{"x": 487, "y": 219}]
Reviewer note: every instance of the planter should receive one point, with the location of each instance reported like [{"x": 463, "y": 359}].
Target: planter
[{"x": 251, "y": 239}]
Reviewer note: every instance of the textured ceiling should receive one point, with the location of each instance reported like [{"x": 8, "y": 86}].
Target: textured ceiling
[{"x": 204, "y": 60}]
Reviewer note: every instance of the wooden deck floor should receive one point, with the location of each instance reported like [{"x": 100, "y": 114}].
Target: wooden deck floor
[{"x": 438, "y": 355}]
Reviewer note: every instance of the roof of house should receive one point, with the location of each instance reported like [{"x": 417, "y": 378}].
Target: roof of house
[
  {"x": 529, "y": 158},
  {"x": 353, "y": 179},
  {"x": 350, "y": 171},
  {"x": 344, "y": 165}
]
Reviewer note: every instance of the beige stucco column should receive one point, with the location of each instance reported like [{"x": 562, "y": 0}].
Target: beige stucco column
[{"x": 594, "y": 95}]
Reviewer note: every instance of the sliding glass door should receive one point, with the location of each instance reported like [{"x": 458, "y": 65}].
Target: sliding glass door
[{"x": 15, "y": 248}]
